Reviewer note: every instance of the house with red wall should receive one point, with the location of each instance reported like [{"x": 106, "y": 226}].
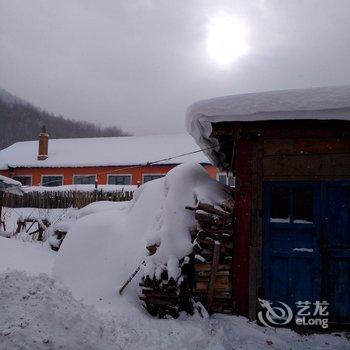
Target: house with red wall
[{"x": 127, "y": 160}]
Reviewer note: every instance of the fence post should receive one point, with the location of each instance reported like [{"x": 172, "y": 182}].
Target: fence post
[{"x": 95, "y": 192}]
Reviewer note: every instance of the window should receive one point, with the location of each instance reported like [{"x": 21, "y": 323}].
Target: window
[
  {"x": 150, "y": 177},
  {"x": 52, "y": 180},
  {"x": 119, "y": 179},
  {"x": 280, "y": 204},
  {"x": 225, "y": 179},
  {"x": 25, "y": 180},
  {"x": 302, "y": 205},
  {"x": 84, "y": 179},
  {"x": 291, "y": 205}
]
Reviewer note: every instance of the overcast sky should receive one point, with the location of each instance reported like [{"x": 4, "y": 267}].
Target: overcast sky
[{"x": 139, "y": 64}]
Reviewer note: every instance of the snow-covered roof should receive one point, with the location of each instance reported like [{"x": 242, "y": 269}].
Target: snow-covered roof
[
  {"x": 103, "y": 151},
  {"x": 314, "y": 103},
  {"x": 10, "y": 185}
]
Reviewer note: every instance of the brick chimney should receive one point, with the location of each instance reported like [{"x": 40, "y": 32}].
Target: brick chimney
[{"x": 43, "y": 144}]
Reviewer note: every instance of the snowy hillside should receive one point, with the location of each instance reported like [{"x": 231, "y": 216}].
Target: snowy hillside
[{"x": 21, "y": 121}]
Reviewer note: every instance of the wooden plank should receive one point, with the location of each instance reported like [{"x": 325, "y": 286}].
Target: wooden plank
[
  {"x": 305, "y": 177},
  {"x": 213, "y": 274},
  {"x": 307, "y": 165},
  {"x": 242, "y": 213},
  {"x": 306, "y": 146},
  {"x": 256, "y": 227},
  {"x": 207, "y": 267},
  {"x": 219, "y": 280},
  {"x": 204, "y": 287},
  {"x": 207, "y": 273},
  {"x": 286, "y": 128},
  {"x": 304, "y": 128}
]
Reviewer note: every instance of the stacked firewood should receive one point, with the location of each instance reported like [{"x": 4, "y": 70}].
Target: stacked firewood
[
  {"x": 205, "y": 273},
  {"x": 165, "y": 297},
  {"x": 213, "y": 250}
]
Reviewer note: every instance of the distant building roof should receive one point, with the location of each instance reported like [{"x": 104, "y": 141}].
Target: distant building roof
[
  {"x": 314, "y": 103},
  {"x": 103, "y": 151}
]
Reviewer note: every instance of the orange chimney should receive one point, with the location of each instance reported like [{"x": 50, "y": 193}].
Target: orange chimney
[{"x": 43, "y": 144}]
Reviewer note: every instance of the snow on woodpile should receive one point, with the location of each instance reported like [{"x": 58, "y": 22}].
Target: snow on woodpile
[
  {"x": 186, "y": 186},
  {"x": 314, "y": 103},
  {"x": 106, "y": 247}
]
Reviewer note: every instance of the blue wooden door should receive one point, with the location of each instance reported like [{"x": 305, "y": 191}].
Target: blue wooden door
[
  {"x": 335, "y": 248},
  {"x": 306, "y": 244},
  {"x": 291, "y": 242}
]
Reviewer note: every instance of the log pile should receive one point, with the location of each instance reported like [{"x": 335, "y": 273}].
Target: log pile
[
  {"x": 213, "y": 250},
  {"x": 206, "y": 272},
  {"x": 162, "y": 297}
]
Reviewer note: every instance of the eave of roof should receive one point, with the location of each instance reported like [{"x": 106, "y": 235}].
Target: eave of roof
[{"x": 324, "y": 103}]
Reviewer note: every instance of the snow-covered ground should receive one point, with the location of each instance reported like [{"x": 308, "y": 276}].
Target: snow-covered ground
[
  {"x": 37, "y": 313},
  {"x": 74, "y": 304}
]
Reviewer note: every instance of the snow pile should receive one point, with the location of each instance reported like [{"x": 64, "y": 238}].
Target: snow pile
[
  {"x": 38, "y": 313},
  {"x": 107, "y": 246},
  {"x": 5, "y": 234},
  {"x": 170, "y": 230},
  {"x": 45, "y": 316},
  {"x": 9, "y": 181},
  {"x": 100, "y": 206},
  {"x": 10, "y": 185},
  {"x": 31, "y": 257}
]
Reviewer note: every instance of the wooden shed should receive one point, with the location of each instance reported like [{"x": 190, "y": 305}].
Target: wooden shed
[{"x": 290, "y": 154}]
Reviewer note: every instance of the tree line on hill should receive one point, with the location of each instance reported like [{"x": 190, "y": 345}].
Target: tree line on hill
[{"x": 21, "y": 121}]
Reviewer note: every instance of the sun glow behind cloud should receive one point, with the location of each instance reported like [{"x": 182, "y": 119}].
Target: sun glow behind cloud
[{"x": 226, "y": 39}]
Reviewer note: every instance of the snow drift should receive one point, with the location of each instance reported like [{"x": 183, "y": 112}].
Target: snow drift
[
  {"x": 38, "y": 313},
  {"x": 102, "y": 249}
]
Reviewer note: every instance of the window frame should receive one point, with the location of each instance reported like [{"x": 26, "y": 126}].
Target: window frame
[
  {"x": 220, "y": 173},
  {"x": 28, "y": 176},
  {"x": 111, "y": 175},
  {"x": 152, "y": 174},
  {"x": 84, "y": 175},
  {"x": 51, "y": 175},
  {"x": 291, "y": 186}
]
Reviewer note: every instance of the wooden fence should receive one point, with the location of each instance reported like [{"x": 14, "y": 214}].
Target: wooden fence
[{"x": 63, "y": 199}]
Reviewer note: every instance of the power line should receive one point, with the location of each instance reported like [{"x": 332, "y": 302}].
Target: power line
[{"x": 149, "y": 163}]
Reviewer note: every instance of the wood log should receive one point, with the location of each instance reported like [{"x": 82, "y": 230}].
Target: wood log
[
  {"x": 158, "y": 301},
  {"x": 207, "y": 267},
  {"x": 212, "y": 280},
  {"x": 204, "y": 218},
  {"x": 210, "y": 209}
]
